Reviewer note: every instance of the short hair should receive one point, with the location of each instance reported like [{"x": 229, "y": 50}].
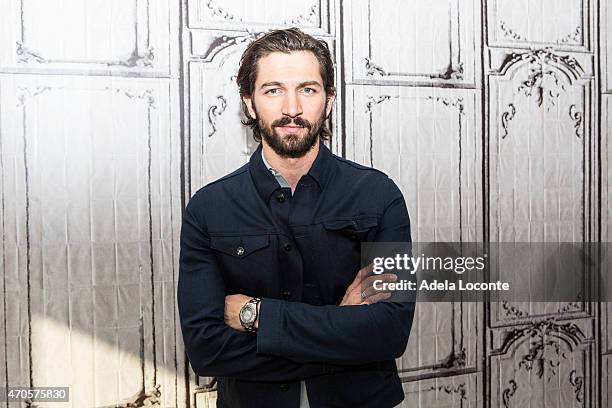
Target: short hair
[{"x": 287, "y": 41}]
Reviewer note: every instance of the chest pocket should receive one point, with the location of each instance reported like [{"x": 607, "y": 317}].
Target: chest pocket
[
  {"x": 358, "y": 229},
  {"x": 341, "y": 250},
  {"x": 245, "y": 261},
  {"x": 239, "y": 246}
]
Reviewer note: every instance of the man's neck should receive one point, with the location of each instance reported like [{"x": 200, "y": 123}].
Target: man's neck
[{"x": 291, "y": 169}]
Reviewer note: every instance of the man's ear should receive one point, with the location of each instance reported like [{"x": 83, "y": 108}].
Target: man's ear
[
  {"x": 249, "y": 104},
  {"x": 328, "y": 104}
]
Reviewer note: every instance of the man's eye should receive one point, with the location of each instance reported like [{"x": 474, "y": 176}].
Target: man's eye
[
  {"x": 309, "y": 90},
  {"x": 272, "y": 91}
]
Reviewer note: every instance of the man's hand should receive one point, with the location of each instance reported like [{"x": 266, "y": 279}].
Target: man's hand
[
  {"x": 361, "y": 290},
  {"x": 233, "y": 304}
]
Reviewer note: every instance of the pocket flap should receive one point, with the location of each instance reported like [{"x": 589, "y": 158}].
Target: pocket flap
[
  {"x": 356, "y": 224},
  {"x": 239, "y": 246}
]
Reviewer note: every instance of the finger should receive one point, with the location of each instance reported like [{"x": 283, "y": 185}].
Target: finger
[
  {"x": 376, "y": 298},
  {"x": 385, "y": 277},
  {"x": 370, "y": 291}
]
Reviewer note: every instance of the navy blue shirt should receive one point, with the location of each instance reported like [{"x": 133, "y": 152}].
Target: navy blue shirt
[{"x": 246, "y": 234}]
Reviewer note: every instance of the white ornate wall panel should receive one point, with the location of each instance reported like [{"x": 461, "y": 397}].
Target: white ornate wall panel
[
  {"x": 443, "y": 340},
  {"x": 120, "y": 37},
  {"x": 425, "y": 139},
  {"x": 544, "y": 364},
  {"x": 411, "y": 42},
  {"x": 564, "y": 25},
  {"x": 315, "y": 16},
  {"x": 215, "y": 107},
  {"x": 540, "y": 143},
  {"x": 97, "y": 199}
]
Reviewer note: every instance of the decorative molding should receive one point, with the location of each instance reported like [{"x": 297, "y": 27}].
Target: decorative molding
[
  {"x": 509, "y": 32},
  {"x": 569, "y": 332},
  {"x": 219, "y": 11},
  {"x": 575, "y": 36},
  {"x": 373, "y": 69},
  {"x": 508, "y": 393},
  {"x": 576, "y": 117},
  {"x": 578, "y": 384},
  {"x": 226, "y": 41},
  {"x": 26, "y": 55},
  {"x": 142, "y": 398},
  {"x": 375, "y": 101},
  {"x": 146, "y": 95},
  {"x": 506, "y": 117},
  {"x": 449, "y": 389},
  {"x": 454, "y": 71},
  {"x": 25, "y": 93},
  {"x": 536, "y": 80},
  {"x": 539, "y": 358},
  {"x": 512, "y": 310},
  {"x": 458, "y": 103},
  {"x": 570, "y": 307},
  {"x": 545, "y": 57},
  {"x": 547, "y": 73},
  {"x": 214, "y": 112},
  {"x": 136, "y": 60},
  {"x": 304, "y": 18},
  {"x": 454, "y": 360}
]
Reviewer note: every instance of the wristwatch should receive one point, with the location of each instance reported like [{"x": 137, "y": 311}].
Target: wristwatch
[{"x": 248, "y": 314}]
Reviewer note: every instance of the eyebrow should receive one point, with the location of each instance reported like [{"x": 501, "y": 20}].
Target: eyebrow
[{"x": 300, "y": 85}]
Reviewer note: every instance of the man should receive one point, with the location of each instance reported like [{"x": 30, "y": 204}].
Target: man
[{"x": 270, "y": 295}]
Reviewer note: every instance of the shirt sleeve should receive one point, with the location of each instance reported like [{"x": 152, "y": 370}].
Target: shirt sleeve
[
  {"x": 346, "y": 335},
  {"x": 214, "y": 348}
]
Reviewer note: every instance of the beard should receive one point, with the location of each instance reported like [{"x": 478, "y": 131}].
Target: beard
[{"x": 291, "y": 145}]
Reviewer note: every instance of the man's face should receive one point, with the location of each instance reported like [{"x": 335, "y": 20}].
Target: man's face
[{"x": 289, "y": 102}]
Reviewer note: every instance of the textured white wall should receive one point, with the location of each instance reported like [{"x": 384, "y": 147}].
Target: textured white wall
[{"x": 493, "y": 117}]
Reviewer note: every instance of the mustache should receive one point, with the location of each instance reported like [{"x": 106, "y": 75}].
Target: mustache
[{"x": 297, "y": 122}]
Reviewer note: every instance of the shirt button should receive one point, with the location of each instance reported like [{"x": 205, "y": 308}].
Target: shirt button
[
  {"x": 287, "y": 247},
  {"x": 281, "y": 198},
  {"x": 284, "y": 387},
  {"x": 286, "y": 295},
  {"x": 240, "y": 251}
]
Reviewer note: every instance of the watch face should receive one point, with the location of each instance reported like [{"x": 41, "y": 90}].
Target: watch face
[{"x": 247, "y": 314}]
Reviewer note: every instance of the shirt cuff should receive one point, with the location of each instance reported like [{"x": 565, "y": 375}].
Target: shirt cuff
[{"x": 269, "y": 339}]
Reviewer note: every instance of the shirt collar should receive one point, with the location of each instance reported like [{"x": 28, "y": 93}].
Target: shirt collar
[
  {"x": 265, "y": 182},
  {"x": 282, "y": 181}
]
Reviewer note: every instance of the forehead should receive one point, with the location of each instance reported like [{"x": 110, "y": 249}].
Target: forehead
[{"x": 297, "y": 66}]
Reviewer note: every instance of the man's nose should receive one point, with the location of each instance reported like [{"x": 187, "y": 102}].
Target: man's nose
[{"x": 291, "y": 105}]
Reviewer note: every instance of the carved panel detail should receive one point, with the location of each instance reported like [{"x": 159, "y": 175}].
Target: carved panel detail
[
  {"x": 378, "y": 56},
  {"x": 528, "y": 23},
  {"x": 244, "y": 15},
  {"x": 138, "y": 42}
]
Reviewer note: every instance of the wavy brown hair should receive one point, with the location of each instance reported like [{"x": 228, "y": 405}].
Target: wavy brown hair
[{"x": 287, "y": 41}]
